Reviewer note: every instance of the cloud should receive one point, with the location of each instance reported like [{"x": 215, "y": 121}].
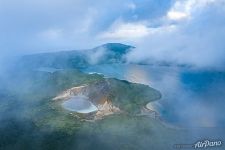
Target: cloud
[
  {"x": 96, "y": 56},
  {"x": 122, "y": 30},
  {"x": 186, "y": 8},
  {"x": 176, "y": 15},
  {"x": 196, "y": 40},
  {"x": 34, "y": 26},
  {"x": 178, "y": 31}
]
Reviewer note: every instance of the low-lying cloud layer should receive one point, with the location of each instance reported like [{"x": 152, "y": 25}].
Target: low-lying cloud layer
[
  {"x": 193, "y": 36},
  {"x": 178, "y": 31}
]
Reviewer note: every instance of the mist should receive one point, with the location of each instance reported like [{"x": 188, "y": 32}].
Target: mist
[
  {"x": 39, "y": 26},
  {"x": 196, "y": 41},
  {"x": 165, "y": 34},
  {"x": 186, "y": 32}
]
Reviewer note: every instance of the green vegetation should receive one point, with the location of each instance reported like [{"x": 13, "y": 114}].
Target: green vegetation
[
  {"x": 131, "y": 97},
  {"x": 36, "y": 90},
  {"x": 107, "y": 53},
  {"x": 30, "y": 119}
]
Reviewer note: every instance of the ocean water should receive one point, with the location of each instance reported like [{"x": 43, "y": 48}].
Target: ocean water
[
  {"x": 190, "y": 97},
  {"x": 48, "y": 69}
]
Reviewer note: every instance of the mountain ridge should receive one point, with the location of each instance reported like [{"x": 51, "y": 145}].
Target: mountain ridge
[{"x": 103, "y": 54}]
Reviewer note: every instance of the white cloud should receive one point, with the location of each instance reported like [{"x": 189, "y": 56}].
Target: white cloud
[
  {"x": 72, "y": 24},
  {"x": 176, "y": 15},
  {"x": 196, "y": 41},
  {"x": 122, "y": 30},
  {"x": 159, "y": 29},
  {"x": 184, "y": 9}
]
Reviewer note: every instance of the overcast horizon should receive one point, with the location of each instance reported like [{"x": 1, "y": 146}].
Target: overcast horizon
[{"x": 179, "y": 31}]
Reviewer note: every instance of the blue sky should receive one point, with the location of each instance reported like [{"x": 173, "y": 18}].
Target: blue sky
[{"x": 180, "y": 31}]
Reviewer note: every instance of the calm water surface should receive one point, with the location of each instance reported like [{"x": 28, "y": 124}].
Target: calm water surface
[{"x": 80, "y": 104}]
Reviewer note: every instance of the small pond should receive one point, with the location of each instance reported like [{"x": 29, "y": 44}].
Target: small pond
[{"x": 80, "y": 104}]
